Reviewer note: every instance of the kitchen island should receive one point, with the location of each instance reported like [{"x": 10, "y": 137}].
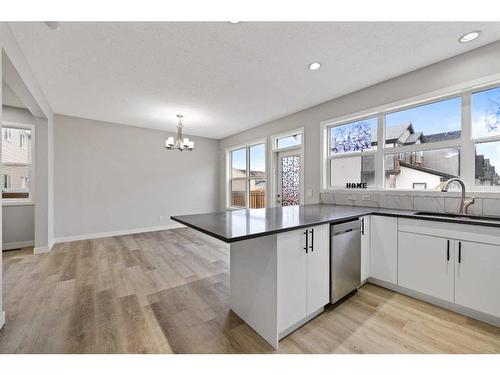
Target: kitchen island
[
  {"x": 280, "y": 258},
  {"x": 279, "y": 261}
]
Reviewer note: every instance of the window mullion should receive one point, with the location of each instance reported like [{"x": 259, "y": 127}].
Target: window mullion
[
  {"x": 468, "y": 158},
  {"x": 248, "y": 177},
  {"x": 379, "y": 155}
]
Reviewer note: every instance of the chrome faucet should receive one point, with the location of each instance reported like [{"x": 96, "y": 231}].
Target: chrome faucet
[{"x": 464, "y": 203}]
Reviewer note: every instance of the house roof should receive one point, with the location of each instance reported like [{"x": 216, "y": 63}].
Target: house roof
[
  {"x": 413, "y": 138},
  {"x": 441, "y": 136},
  {"x": 393, "y": 133}
]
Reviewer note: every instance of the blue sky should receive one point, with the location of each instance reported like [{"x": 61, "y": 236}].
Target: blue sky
[
  {"x": 432, "y": 118},
  {"x": 257, "y": 158}
]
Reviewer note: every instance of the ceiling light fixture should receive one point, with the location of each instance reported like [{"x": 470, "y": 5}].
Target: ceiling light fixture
[
  {"x": 179, "y": 143},
  {"x": 314, "y": 66},
  {"x": 234, "y": 22},
  {"x": 54, "y": 25},
  {"x": 469, "y": 37}
]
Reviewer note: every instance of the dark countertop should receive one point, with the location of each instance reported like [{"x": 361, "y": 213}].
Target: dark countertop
[{"x": 238, "y": 225}]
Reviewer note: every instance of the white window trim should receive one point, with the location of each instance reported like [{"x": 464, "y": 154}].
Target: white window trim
[
  {"x": 465, "y": 142},
  {"x": 288, "y": 133},
  {"x": 229, "y": 172},
  {"x": 31, "y": 199},
  {"x": 273, "y": 157}
]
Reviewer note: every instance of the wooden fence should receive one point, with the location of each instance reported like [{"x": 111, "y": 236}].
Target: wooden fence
[{"x": 257, "y": 199}]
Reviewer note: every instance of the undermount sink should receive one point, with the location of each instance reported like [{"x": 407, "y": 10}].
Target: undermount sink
[{"x": 458, "y": 216}]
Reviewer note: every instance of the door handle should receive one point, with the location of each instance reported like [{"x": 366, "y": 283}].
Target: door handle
[
  {"x": 306, "y": 233},
  {"x": 460, "y": 252},
  {"x": 312, "y": 240},
  {"x": 448, "y": 251}
]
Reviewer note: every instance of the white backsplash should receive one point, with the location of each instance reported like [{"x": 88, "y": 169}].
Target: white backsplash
[{"x": 438, "y": 202}]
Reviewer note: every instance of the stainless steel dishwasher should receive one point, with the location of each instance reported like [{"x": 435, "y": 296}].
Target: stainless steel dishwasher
[{"x": 345, "y": 259}]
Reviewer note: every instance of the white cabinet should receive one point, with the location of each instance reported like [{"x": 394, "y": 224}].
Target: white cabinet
[
  {"x": 439, "y": 260},
  {"x": 318, "y": 268},
  {"x": 384, "y": 248},
  {"x": 426, "y": 264},
  {"x": 292, "y": 278},
  {"x": 365, "y": 248},
  {"x": 477, "y": 276},
  {"x": 303, "y": 273}
]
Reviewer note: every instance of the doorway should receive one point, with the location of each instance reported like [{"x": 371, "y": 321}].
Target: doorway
[
  {"x": 288, "y": 168},
  {"x": 289, "y": 181}
]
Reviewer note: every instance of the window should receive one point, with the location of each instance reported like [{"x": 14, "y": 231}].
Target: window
[
  {"x": 17, "y": 162},
  {"x": 22, "y": 140},
  {"x": 485, "y": 123},
  {"x": 434, "y": 122},
  {"x": 351, "y": 150},
  {"x": 422, "y": 148},
  {"x": 420, "y": 185},
  {"x": 24, "y": 182},
  {"x": 289, "y": 141},
  {"x": 7, "y": 181},
  {"x": 248, "y": 177},
  {"x": 427, "y": 169},
  {"x": 7, "y": 134},
  {"x": 487, "y": 161},
  {"x": 359, "y": 136}
]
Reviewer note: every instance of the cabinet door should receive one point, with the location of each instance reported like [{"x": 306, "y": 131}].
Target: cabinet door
[
  {"x": 318, "y": 268},
  {"x": 292, "y": 278},
  {"x": 425, "y": 264},
  {"x": 365, "y": 248},
  {"x": 384, "y": 248},
  {"x": 477, "y": 276}
]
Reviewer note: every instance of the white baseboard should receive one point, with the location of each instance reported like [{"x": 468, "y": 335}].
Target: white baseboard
[
  {"x": 17, "y": 245},
  {"x": 2, "y": 318},
  {"x": 41, "y": 249},
  {"x": 91, "y": 236}
]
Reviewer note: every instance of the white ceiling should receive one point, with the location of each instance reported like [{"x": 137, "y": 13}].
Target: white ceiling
[{"x": 224, "y": 77}]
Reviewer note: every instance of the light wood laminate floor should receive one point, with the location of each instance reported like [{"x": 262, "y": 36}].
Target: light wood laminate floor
[{"x": 167, "y": 292}]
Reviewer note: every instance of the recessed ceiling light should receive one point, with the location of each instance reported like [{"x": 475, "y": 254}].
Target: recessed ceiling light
[
  {"x": 314, "y": 66},
  {"x": 52, "y": 25},
  {"x": 469, "y": 36},
  {"x": 234, "y": 22}
]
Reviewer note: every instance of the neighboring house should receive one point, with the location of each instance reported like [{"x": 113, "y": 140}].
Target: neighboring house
[
  {"x": 411, "y": 170},
  {"x": 485, "y": 172},
  {"x": 16, "y": 157}
]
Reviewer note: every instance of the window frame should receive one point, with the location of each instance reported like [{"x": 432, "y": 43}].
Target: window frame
[
  {"x": 276, "y": 137},
  {"x": 342, "y": 155},
  {"x": 273, "y": 157},
  {"x": 465, "y": 143},
  {"x": 247, "y": 178},
  {"x": 31, "y": 198}
]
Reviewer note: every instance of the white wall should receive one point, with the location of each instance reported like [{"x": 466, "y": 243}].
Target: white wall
[
  {"x": 470, "y": 66},
  {"x": 113, "y": 178},
  {"x": 407, "y": 176},
  {"x": 18, "y": 220},
  {"x": 18, "y": 226},
  {"x": 8, "y": 45}
]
